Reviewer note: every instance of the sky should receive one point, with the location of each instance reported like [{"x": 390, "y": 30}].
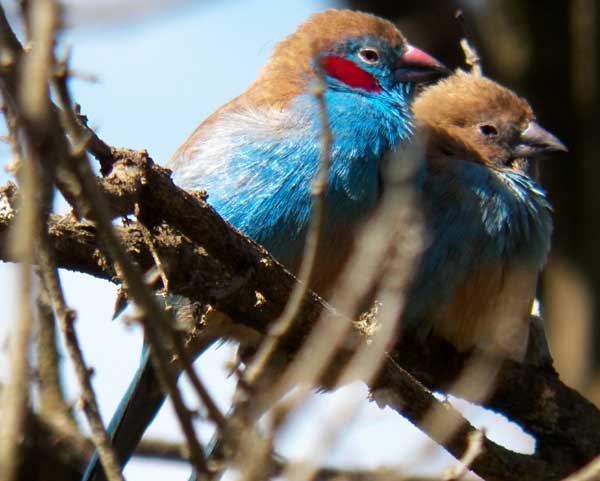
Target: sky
[{"x": 161, "y": 72}]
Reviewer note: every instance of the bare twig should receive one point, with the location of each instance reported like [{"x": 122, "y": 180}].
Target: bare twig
[
  {"x": 184, "y": 358},
  {"x": 474, "y": 449},
  {"x": 91, "y": 203},
  {"x": 313, "y": 235},
  {"x": 152, "y": 316},
  {"x": 399, "y": 229},
  {"x": 36, "y": 109},
  {"x": 15, "y": 395},
  {"x": 253, "y": 450},
  {"x": 66, "y": 317},
  {"x": 395, "y": 229},
  {"x": 590, "y": 472},
  {"x": 168, "y": 379},
  {"x": 476, "y": 383},
  {"x": 399, "y": 226},
  {"x": 38, "y": 64},
  {"x": 372, "y": 250},
  {"x": 212, "y": 410},
  {"x": 31, "y": 223},
  {"x": 157, "y": 262},
  {"x": 565, "y": 425},
  {"x": 338, "y": 420},
  {"x": 472, "y": 58},
  {"x": 160, "y": 449},
  {"x": 52, "y": 398}
]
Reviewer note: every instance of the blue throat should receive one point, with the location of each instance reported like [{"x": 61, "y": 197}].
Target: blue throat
[
  {"x": 266, "y": 192},
  {"x": 503, "y": 214}
]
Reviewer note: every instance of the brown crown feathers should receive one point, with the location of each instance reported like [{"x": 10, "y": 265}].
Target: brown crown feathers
[
  {"x": 472, "y": 117},
  {"x": 288, "y": 69}
]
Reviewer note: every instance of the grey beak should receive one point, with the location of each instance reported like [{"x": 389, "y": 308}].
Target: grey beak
[{"x": 537, "y": 141}]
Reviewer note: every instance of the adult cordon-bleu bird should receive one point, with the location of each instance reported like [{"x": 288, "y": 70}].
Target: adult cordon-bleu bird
[
  {"x": 489, "y": 223},
  {"x": 257, "y": 157}
]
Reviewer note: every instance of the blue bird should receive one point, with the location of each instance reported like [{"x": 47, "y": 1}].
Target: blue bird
[
  {"x": 258, "y": 155},
  {"x": 489, "y": 223}
]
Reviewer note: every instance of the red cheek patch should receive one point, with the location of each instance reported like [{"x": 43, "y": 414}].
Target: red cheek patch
[{"x": 351, "y": 74}]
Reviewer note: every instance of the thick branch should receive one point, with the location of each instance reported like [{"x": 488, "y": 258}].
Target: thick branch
[{"x": 210, "y": 262}]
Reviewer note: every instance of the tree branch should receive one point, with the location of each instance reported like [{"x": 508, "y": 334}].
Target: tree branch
[{"x": 211, "y": 263}]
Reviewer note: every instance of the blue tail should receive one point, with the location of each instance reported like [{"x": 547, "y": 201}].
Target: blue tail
[{"x": 136, "y": 411}]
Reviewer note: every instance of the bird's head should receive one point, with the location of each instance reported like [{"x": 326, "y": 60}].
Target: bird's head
[
  {"x": 355, "y": 52},
  {"x": 474, "y": 118}
]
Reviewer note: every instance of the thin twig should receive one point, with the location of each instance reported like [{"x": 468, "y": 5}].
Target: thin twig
[
  {"x": 414, "y": 401},
  {"x": 395, "y": 228},
  {"x": 476, "y": 383},
  {"x": 152, "y": 315},
  {"x": 338, "y": 419},
  {"x": 168, "y": 380},
  {"x": 212, "y": 410},
  {"x": 38, "y": 63},
  {"x": 184, "y": 359},
  {"x": 152, "y": 248},
  {"x": 369, "y": 257},
  {"x": 474, "y": 449},
  {"x": 311, "y": 245},
  {"x": 252, "y": 449},
  {"x": 36, "y": 109},
  {"x": 15, "y": 395},
  {"x": 567, "y": 416},
  {"x": 590, "y": 472},
  {"x": 472, "y": 58},
  {"x": 160, "y": 449},
  {"x": 399, "y": 229},
  {"x": 30, "y": 224},
  {"x": 53, "y": 403},
  {"x": 66, "y": 318}
]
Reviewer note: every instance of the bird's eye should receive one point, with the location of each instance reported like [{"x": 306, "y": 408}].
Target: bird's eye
[
  {"x": 488, "y": 130},
  {"x": 369, "y": 56}
]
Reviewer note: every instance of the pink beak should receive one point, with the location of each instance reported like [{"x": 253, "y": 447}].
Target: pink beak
[{"x": 415, "y": 65}]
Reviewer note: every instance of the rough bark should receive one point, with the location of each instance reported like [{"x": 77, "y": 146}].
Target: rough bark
[{"x": 211, "y": 263}]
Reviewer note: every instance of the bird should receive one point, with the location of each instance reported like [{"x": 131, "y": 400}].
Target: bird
[
  {"x": 489, "y": 223},
  {"x": 257, "y": 156}
]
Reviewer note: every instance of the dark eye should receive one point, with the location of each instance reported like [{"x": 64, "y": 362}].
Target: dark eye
[
  {"x": 487, "y": 130},
  {"x": 369, "y": 56}
]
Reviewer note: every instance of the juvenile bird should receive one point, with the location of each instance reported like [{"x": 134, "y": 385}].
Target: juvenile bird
[
  {"x": 489, "y": 222},
  {"x": 258, "y": 155}
]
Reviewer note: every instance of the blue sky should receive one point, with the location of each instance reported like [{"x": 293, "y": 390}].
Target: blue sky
[{"x": 159, "y": 76}]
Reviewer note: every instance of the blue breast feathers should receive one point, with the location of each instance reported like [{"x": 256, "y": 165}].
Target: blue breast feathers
[
  {"x": 258, "y": 165},
  {"x": 477, "y": 217}
]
